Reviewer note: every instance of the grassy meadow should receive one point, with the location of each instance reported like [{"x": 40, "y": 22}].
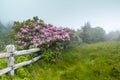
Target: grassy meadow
[{"x": 99, "y": 61}]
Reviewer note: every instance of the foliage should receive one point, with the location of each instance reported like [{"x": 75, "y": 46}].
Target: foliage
[
  {"x": 85, "y": 33},
  {"x": 113, "y": 36},
  {"x": 4, "y": 40},
  {"x": 50, "y": 39},
  {"x": 92, "y": 35},
  {"x": 97, "y": 34},
  {"x": 74, "y": 36}
]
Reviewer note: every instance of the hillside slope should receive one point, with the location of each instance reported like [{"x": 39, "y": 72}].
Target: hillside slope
[{"x": 100, "y": 61}]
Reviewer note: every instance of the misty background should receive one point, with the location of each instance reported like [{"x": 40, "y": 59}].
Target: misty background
[
  {"x": 66, "y": 13},
  {"x": 88, "y": 20}
]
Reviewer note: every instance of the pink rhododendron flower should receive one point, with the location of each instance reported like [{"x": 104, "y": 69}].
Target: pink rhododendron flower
[
  {"x": 25, "y": 44},
  {"x": 36, "y": 45},
  {"x": 38, "y": 35},
  {"x": 25, "y": 30}
]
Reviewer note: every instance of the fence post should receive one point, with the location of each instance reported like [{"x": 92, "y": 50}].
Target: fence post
[{"x": 10, "y": 60}]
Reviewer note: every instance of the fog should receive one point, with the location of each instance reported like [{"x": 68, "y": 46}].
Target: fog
[{"x": 65, "y": 13}]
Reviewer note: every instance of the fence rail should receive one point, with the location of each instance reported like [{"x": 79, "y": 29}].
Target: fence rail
[{"x": 11, "y": 53}]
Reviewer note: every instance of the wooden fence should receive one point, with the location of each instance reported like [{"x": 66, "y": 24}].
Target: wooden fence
[{"x": 11, "y": 53}]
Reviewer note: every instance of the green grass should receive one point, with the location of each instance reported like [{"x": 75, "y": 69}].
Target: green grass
[{"x": 100, "y": 61}]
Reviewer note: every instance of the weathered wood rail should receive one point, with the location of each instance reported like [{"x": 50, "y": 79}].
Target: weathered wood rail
[{"x": 11, "y": 53}]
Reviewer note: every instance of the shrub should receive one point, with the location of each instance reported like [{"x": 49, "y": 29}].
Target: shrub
[{"x": 50, "y": 39}]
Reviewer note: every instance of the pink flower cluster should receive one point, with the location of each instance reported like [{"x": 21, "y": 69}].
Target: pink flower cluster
[
  {"x": 24, "y": 30},
  {"x": 38, "y": 34}
]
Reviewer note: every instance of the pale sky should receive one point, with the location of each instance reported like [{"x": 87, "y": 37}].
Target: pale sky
[{"x": 65, "y": 13}]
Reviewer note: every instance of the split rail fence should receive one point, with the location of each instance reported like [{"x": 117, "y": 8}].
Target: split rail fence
[{"x": 11, "y": 53}]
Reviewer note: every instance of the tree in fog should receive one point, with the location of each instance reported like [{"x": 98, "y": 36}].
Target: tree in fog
[
  {"x": 97, "y": 34},
  {"x": 113, "y": 36},
  {"x": 91, "y": 35},
  {"x": 85, "y": 33}
]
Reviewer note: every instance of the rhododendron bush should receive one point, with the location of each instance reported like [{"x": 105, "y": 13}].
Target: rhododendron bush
[{"x": 50, "y": 39}]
